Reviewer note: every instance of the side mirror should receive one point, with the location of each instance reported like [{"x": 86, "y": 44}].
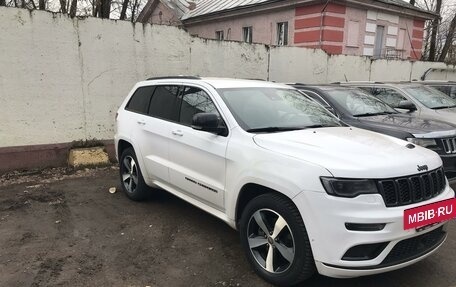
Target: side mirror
[
  {"x": 406, "y": 105},
  {"x": 208, "y": 122}
]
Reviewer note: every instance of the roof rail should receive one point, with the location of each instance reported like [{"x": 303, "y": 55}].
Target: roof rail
[{"x": 174, "y": 77}]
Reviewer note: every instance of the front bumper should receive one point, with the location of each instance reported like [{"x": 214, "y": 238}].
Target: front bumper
[{"x": 325, "y": 217}]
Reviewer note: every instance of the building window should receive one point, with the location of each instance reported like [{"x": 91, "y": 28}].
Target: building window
[
  {"x": 282, "y": 34},
  {"x": 219, "y": 35},
  {"x": 247, "y": 34},
  {"x": 401, "y": 39},
  {"x": 353, "y": 34}
]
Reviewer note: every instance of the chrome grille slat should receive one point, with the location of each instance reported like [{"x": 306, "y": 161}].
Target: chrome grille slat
[
  {"x": 449, "y": 145},
  {"x": 412, "y": 189}
]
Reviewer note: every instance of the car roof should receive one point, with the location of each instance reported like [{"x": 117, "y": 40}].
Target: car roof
[
  {"x": 366, "y": 83},
  {"x": 436, "y": 82},
  {"x": 217, "y": 83},
  {"x": 324, "y": 87}
]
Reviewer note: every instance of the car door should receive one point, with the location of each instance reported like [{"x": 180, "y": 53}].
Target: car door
[
  {"x": 154, "y": 132},
  {"x": 197, "y": 158}
]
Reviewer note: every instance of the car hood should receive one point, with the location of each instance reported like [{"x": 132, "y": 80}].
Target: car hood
[
  {"x": 451, "y": 112},
  {"x": 350, "y": 152},
  {"x": 408, "y": 124}
]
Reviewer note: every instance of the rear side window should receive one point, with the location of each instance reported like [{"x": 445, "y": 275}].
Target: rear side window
[
  {"x": 139, "y": 102},
  {"x": 165, "y": 103},
  {"x": 195, "y": 100}
]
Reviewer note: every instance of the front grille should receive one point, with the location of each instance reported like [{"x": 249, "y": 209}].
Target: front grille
[
  {"x": 449, "y": 145},
  {"x": 415, "y": 247},
  {"x": 412, "y": 189}
]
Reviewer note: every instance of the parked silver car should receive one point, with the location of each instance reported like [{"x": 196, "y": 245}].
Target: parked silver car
[
  {"x": 408, "y": 97},
  {"x": 446, "y": 87}
]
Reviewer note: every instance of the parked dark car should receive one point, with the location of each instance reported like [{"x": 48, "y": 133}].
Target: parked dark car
[
  {"x": 446, "y": 87},
  {"x": 357, "y": 108}
]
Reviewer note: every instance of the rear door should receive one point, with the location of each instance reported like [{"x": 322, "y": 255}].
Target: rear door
[
  {"x": 197, "y": 158},
  {"x": 154, "y": 130}
]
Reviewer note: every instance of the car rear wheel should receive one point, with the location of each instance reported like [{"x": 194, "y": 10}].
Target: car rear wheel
[
  {"x": 131, "y": 177},
  {"x": 275, "y": 240}
]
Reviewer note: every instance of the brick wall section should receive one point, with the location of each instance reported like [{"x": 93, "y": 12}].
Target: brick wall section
[
  {"x": 417, "y": 39},
  {"x": 314, "y": 28}
]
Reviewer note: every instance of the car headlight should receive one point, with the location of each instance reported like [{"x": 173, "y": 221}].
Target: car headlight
[
  {"x": 423, "y": 142},
  {"x": 348, "y": 187}
]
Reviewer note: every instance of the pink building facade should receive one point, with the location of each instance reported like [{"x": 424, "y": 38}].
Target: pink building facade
[{"x": 370, "y": 28}]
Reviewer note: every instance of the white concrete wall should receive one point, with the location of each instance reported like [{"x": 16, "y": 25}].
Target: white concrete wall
[{"x": 62, "y": 79}]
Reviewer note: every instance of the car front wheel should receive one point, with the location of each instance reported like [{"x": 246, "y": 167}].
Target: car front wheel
[
  {"x": 275, "y": 240},
  {"x": 131, "y": 177}
]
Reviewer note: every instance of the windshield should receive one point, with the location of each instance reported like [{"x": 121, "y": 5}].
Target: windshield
[
  {"x": 358, "y": 103},
  {"x": 430, "y": 97},
  {"x": 275, "y": 109}
]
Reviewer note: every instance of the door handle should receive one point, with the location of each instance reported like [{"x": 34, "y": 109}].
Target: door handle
[
  {"x": 141, "y": 122},
  {"x": 177, "y": 133}
]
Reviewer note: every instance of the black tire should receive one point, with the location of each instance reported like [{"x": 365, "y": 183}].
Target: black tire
[
  {"x": 134, "y": 189},
  {"x": 285, "y": 273}
]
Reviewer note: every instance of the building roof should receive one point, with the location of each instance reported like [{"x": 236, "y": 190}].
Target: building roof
[
  {"x": 404, "y": 4},
  {"x": 180, "y": 7},
  {"x": 204, "y": 7},
  {"x": 208, "y": 7}
]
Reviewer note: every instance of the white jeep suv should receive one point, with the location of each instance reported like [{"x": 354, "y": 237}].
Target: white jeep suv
[{"x": 306, "y": 192}]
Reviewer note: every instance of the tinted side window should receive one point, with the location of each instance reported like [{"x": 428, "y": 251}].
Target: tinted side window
[
  {"x": 140, "y": 100},
  {"x": 195, "y": 100},
  {"x": 165, "y": 103},
  {"x": 389, "y": 96}
]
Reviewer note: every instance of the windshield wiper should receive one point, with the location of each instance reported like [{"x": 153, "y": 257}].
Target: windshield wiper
[
  {"x": 274, "y": 129},
  {"x": 373, "y": 114},
  {"x": 444, "y": 107}
]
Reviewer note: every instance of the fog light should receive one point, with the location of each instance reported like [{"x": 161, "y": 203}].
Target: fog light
[{"x": 364, "y": 251}]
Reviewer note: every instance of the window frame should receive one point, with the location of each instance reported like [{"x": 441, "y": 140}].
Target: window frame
[
  {"x": 211, "y": 97},
  {"x": 148, "y": 104},
  {"x": 219, "y": 33},
  {"x": 249, "y": 34},
  {"x": 179, "y": 97},
  {"x": 285, "y": 34}
]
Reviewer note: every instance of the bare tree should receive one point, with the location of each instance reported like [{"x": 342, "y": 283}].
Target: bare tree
[
  {"x": 73, "y": 7},
  {"x": 448, "y": 40},
  {"x": 133, "y": 11},
  {"x": 434, "y": 31},
  {"x": 123, "y": 13}
]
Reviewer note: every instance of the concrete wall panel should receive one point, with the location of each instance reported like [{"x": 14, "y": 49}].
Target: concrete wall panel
[
  {"x": 63, "y": 79},
  {"x": 387, "y": 70},
  {"x": 295, "y": 64},
  {"x": 40, "y": 80},
  {"x": 348, "y": 68}
]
